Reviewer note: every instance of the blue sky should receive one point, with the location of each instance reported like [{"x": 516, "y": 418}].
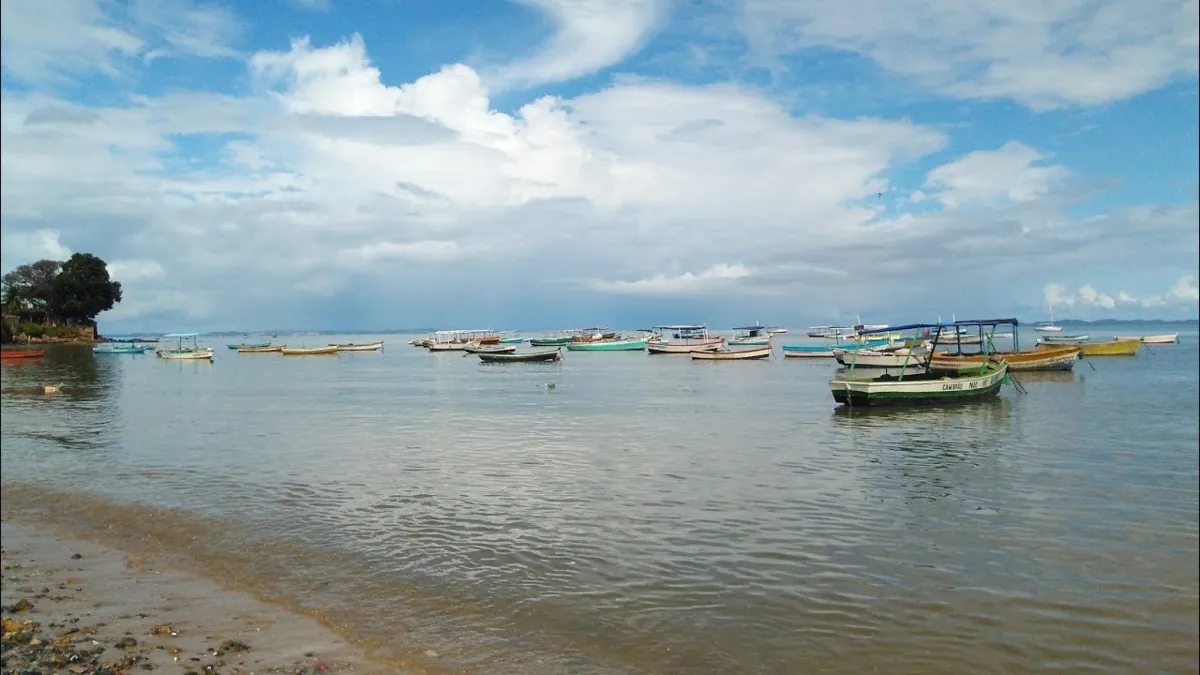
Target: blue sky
[{"x": 547, "y": 163}]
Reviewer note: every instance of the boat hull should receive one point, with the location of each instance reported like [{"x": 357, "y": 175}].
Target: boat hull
[
  {"x": 490, "y": 349},
  {"x": 549, "y": 342},
  {"x": 683, "y": 348},
  {"x": 123, "y": 349},
  {"x": 807, "y": 352},
  {"x": 27, "y": 354},
  {"x": 270, "y": 349},
  {"x": 607, "y": 346},
  {"x": 919, "y": 390},
  {"x": 204, "y": 354},
  {"x": 1041, "y": 359},
  {"x": 1114, "y": 348},
  {"x": 1160, "y": 339},
  {"x": 249, "y": 344},
  {"x": 533, "y": 357},
  {"x": 307, "y": 351},
  {"x": 351, "y": 347},
  {"x": 733, "y": 355},
  {"x": 750, "y": 342},
  {"x": 448, "y": 346},
  {"x": 872, "y": 359}
]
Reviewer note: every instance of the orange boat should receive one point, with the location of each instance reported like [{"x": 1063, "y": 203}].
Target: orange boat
[
  {"x": 1052, "y": 357},
  {"x": 24, "y": 354}
]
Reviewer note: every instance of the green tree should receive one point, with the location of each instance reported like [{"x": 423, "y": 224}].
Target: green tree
[
  {"x": 83, "y": 289},
  {"x": 31, "y": 286}
]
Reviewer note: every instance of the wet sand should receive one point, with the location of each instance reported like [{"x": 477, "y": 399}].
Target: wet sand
[{"x": 74, "y": 606}]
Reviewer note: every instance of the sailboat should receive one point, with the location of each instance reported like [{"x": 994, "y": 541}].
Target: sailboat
[{"x": 1050, "y": 327}]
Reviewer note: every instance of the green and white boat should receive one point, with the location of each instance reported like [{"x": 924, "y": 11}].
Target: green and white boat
[
  {"x": 926, "y": 386},
  {"x": 615, "y": 345}
]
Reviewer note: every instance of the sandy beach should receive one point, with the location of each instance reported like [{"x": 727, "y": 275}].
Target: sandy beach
[{"x": 73, "y": 606}]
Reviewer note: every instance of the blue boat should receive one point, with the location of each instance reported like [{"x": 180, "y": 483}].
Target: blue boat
[
  {"x": 255, "y": 345},
  {"x": 122, "y": 348}
]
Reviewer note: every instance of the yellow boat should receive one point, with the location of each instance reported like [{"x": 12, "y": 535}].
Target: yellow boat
[
  {"x": 1118, "y": 347},
  {"x": 308, "y": 351}
]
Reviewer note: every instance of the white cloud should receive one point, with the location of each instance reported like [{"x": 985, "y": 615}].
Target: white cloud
[
  {"x": 1093, "y": 297},
  {"x": 661, "y": 284},
  {"x": 1042, "y": 54},
  {"x": 590, "y": 35},
  {"x": 327, "y": 182},
  {"x": 994, "y": 177},
  {"x": 25, "y": 247},
  {"x": 1182, "y": 292},
  {"x": 75, "y": 38}
]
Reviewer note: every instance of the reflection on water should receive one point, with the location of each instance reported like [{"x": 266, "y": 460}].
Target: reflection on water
[{"x": 646, "y": 515}]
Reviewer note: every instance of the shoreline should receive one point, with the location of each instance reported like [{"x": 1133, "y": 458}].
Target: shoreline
[{"x": 73, "y": 605}]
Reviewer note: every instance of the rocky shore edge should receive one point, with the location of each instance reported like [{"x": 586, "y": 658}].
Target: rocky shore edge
[{"x": 73, "y": 606}]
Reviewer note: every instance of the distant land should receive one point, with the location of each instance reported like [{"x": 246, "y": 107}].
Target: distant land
[{"x": 1181, "y": 324}]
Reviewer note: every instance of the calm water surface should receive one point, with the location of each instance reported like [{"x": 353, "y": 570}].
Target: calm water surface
[{"x": 647, "y": 514}]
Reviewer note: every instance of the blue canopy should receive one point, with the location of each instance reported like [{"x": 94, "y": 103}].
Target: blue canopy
[{"x": 182, "y": 335}]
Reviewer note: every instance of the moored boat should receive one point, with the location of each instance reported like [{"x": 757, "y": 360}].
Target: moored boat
[
  {"x": 610, "y": 345},
  {"x": 808, "y": 351},
  {"x": 750, "y": 336},
  {"x": 1058, "y": 357},
  {"x": 308, "y": 351},
  {"x": 530, "y": 357},
  {"x": 248, "y": 344},
  {"x": 183, "y": 352},
  {"x": 269, "y": 349},
  {"x": 361, "y": 347},
  {"x": 690, "y": 338},
  {"x": 1170, "y": 338},
  {"x": 1117, "y": 347},
  {"x": 22, "y": 354},
  {"x": 733, "y": 354},
  {"x": 1064, "y": 339},
  {"x": 882, "y": 358},
  {"x": 119, "y": 348},
  {"x": 490, "y": 349},
  {"x": 553, "y": 338},
  {"x": 925, "y": 386}
]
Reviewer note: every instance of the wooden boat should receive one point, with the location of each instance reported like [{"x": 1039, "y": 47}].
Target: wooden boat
[
  {"x": 420, "y": 342},
  {"x": 1059, "y": 357},
  {"x": 926, "y": 386},
  {"x": 1118, "y": 347},
  {"x": 249, "y": 344},
  {"x": 458, "y": 340},
  {"x": 692, "y": 338},
  {"x": 352, "y": 347},
  {"x": 550, "y": 341},
  {"x": 23, "y": 354},
  {"x": 1160, "y": 339},
  {"x": 585, "y": 335},
  {"x": 490, "y": 349},
  {"x": 530, "y": 357},
  {"x": 308, "y": 351},
  {"x": 808, "y": 351},
  {"x": 269, "y": 349},
  {"x": 1063, "y": 339},
  {"x": 611, "y": 345},
  {"x": 882, "y": 358},
  {"x": 182, "y": 352},
  {"x": 122, "y": 348},
  {"x": 733, "y": 354},
  {"x": 510, "y": 337},
  {"x": 748, "y": 336}
]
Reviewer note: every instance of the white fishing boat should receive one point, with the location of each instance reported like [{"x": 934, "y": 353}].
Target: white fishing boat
[
  {"x": 1171, "y": 338},
  {"x": 880, "y": 358},
  {"x": 750, "y": 336},
  {"x": 752, "y": 354},
  {"x": 1063, "y": 339},
  {"x": 688, "y": 338},
  {"x": 361, "y": 347},
  {"x": 184, "y": 351}
]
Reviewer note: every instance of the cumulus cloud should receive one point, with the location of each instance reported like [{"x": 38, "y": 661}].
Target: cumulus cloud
[
  {"x": 1042, "y": 54},
  {"x": 688, "y": 282},
  {"x": 1182, "y": 292},
  {"x": 322, "y": 180},
  {"x": 1009, "y": 174}
]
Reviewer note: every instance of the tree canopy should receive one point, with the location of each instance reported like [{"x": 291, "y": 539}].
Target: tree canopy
[{"x": 74, "y": 291}]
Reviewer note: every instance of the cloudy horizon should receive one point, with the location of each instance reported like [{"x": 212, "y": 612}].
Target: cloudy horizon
[{"x": 550, "y": 163}]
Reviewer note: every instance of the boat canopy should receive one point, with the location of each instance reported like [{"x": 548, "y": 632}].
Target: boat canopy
[
  {"x": 176, "y": 336},
  {"x": 682, "y": 326},
  {"x": 985, "y": 322},
  {"x": 759, "y": 327}
]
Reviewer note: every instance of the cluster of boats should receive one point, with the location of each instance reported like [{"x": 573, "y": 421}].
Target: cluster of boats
[{"x": 187, "y": 348}]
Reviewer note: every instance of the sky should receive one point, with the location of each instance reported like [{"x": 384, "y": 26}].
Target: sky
[{"x": 537, "y": 164}]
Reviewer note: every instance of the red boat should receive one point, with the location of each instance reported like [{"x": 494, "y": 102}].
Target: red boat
[{"x": 26, "y": 354}]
